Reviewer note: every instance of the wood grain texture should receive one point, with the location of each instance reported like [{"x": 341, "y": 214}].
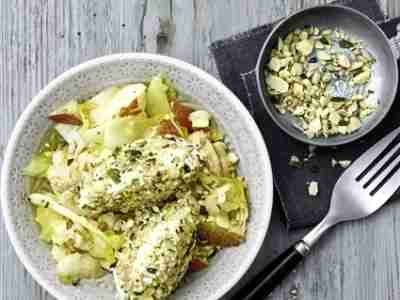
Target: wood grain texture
[{"x": 40, "y": 39}]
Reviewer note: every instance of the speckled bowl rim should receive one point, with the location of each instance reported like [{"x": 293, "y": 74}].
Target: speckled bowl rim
[{"x": 41, "y": 96}]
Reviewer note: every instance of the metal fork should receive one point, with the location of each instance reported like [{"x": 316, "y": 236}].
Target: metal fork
[{"x": 360, "y": 191}]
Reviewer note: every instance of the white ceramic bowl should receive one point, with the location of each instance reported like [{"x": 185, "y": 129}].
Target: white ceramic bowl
[{"x": 86, "y": 79}]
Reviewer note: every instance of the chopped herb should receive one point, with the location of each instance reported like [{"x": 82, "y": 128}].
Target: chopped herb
[
  {"x": 186, "y": 168},
  {"x": 134, "y": 155},
  {"x": 345, "y": 44},
  {"x": 338, "y": 99},
  {"x": 325, "y": 40},
  {"x": 152, "y": 270},
  {"x": 116, "y": 151},
  {"x": 114, "y": 175}
]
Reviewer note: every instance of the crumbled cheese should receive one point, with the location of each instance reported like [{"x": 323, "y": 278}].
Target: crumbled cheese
[{"x": 313, "y": 188}]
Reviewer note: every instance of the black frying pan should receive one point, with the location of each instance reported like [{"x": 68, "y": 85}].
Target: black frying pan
[
  {"x": 384, "y": 82},
  {"x": 385, "y": 73}
]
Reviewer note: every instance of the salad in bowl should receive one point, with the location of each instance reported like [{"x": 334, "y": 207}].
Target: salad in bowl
[
  {"x": 139, "y": 183},
  {"x": 112, "y": 162}
]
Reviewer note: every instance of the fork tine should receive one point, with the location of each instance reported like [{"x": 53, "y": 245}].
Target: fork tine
[
  {"x": 388, "y": 188},
  {"x": 376, "y": 181},
  {"x": 382, "y": 163},
  {"x": 362, "y": 163}
]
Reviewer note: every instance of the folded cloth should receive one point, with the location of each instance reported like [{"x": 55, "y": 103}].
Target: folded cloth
[{"x": 236, "y": 58}]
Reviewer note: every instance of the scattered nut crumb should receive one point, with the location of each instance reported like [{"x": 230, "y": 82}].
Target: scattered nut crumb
[
  {"x": 293, "y": 293},
  {"x": 344, "y": 163},
  {"x": 313, "y": 188},
  {"x": 334, "y": 162},
  {"x": 295, "y": 162}
]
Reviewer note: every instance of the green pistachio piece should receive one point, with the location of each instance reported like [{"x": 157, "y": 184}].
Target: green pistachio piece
[
  {"x": 316, "y": 77},
  {"x": 285, "y": 51},
  {"x": 305, "y": 47},
  {"x": 285, "y": 61},
  {"x": 334, "y": 118},
  {"x": 343, "y": 61},
  {"x": 323, "y": 55},
  {"x": 298, "y": 90},
  {"x": 275, "y": 53},
  {"x": 277, "y": 84},
  {"x": 319, "y": 45},
  {"x": 297, "y": 69},
  {"x": 280, "y": 44},
  {"x": 304, "y": 35},
  {"x": 315, "y": 126},
  {"x": 284, "y": 74},
  {"x": 289, "y": 38},
  {"x": 326, "y": 77},
  {"x": 326, "y": 32},
  {"x": 356, "y": 65},
  {"x": 357, "y": 97},
  {"x": 274, "y": 64},
  {"x": 362, "y": 78},
  {"x": 354, "y": 124},
  {"x": 342, "y": 129}
]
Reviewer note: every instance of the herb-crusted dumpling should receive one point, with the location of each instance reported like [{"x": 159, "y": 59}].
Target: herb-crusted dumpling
[
  {"x": 140, "y": 174},
  {"x": 152, "y": 264}
]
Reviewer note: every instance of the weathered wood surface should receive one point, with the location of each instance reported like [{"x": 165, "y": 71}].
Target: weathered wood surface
[{"x": 40, "y": 39}]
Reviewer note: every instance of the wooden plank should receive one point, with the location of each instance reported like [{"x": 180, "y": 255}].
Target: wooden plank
[
  {"x": 38, "y": 41},
  {"x": 197, "y": 23},
  {"x": 296, "y": 5},
  {"x": 19, "y": 80},
  {"x": 156, "y": 25}
]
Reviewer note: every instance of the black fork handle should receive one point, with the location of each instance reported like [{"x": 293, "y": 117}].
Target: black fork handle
[{"x": 270, "y": 277}]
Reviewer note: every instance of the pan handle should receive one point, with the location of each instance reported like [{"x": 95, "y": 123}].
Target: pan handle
[{"x": 395, "y": 43}]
